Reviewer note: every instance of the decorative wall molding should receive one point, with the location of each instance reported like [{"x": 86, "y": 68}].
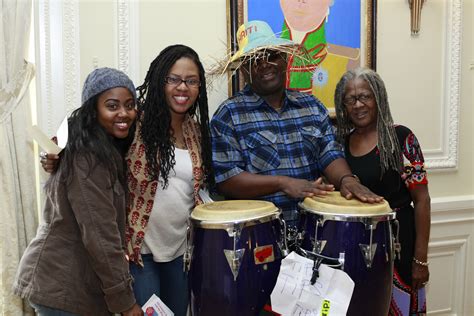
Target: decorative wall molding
[
  {"x": 57, "y": 50},
  {"x": 456, "y": 250},
  {"x": 451, "y": 253},
  {"x": 128, "y": 38},
  {"x": 453, "y": 209},
  {"x": 447, "y": 157},
  {"x": 71, "y": 40},
  {"x": 43, "y": 63}
]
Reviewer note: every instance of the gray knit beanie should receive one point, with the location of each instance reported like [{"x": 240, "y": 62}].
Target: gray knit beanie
[{"x": 102, "y": 79}]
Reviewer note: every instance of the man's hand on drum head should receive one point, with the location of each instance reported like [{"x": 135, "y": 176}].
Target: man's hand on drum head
[
  {"x": 351, "y": 187},
  {"x": 298, "y": 188}
]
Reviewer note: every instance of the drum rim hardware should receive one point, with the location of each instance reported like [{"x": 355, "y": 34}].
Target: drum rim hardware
[
  {"x": 370, "y": 223},
  {"x": 367, "y": 219},
  {"x": 230, "y": 224}
]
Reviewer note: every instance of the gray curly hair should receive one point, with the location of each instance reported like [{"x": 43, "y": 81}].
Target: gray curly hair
[{"x": 387, "y": 142}]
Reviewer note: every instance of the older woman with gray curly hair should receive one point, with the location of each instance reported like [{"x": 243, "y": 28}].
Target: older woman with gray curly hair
[{"x": 388, "y": 159}]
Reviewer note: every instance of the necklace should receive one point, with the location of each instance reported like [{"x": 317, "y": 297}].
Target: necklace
[{"x": 181, "y": 144}]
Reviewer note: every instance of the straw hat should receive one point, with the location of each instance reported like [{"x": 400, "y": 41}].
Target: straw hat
[
  {"x": 254, "y": 38},
  {"x": 257, "y": 35}
]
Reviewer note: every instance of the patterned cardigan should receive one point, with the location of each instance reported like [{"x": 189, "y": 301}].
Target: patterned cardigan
[{"x": 142, "y": 190}]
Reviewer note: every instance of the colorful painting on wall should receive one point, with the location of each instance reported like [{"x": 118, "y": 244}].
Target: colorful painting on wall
[{"x": 338, "y": 34}]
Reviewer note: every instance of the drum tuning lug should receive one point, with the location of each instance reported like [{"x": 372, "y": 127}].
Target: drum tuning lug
[
  {"x": 300, "y": 236},
  {"x": 368, "y": 252},
  {"x": 283, "y": 248},
  {"x": 397, "y": 247},
  {"x": 234, "y": 259},
  {"x": 188, "y": 249},
  {"x": 187, "y": 258},
  {"x": 283, "y": 244},
  {"x": 318, "y": 245}
]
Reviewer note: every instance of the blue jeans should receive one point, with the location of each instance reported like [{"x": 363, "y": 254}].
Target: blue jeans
[
  {"x": 165, "y": 279},
  {"x": 42, "y": 310}
]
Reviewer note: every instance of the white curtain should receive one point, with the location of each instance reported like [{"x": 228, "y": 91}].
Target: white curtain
[{"x": 18, "y": 215}]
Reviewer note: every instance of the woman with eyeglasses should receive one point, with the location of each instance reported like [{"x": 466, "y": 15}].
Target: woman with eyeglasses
[
  {"x": 388, "y": 159},
  {"x": 169, "y": 161}
]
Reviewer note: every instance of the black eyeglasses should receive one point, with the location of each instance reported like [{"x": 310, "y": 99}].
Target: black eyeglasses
[
  {"x": 352, "y": 100},
  {"x": 190, "y": 83}
]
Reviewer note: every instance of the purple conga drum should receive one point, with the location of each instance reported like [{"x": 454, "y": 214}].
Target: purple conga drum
[
  {"x": 357, "y": 235},
  {"x": 234, "y": 254}
]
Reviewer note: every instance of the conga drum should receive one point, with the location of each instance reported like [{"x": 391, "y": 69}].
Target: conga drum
[
  {"x": 235, "y": 251},
  {"x": 359, "y": 236}
]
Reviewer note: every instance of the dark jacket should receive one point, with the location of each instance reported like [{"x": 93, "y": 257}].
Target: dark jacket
[{"x": 77, "y": 261}]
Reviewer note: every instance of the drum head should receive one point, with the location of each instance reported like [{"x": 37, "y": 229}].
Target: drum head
[
  {"x": 233, "y": 211},
  {"x": 334, "y": 203}
]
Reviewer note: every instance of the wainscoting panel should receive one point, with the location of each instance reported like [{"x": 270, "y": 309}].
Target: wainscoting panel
[{"x": 449, "y": 291}]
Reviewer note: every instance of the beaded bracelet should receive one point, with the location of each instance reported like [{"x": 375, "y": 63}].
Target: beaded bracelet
[{"x": 421, "y": 263}]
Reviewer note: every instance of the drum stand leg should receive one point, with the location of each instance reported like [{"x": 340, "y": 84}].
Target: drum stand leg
[{"x": 315, "y": 275}]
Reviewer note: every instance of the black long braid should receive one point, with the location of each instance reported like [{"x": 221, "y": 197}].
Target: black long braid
[
  {"x": 387, "y": 141},
  {"x": 155, "y": 115}
]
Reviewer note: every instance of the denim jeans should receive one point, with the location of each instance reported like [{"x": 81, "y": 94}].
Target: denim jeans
[
  {"x": 165, "y": 279},
  {"x": 42, "y": 310}
]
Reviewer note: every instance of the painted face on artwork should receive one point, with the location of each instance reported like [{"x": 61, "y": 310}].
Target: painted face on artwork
[
  {"x": 116, "y": 111},
  {"x": 182, "y": 86},
  {"x": 266, "y": 75},
  {"x": 360, "y": 104},
  {"x": 304, "y": 15}
]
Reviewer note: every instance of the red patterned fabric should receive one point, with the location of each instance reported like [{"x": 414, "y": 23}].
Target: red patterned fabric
[
  {"x": 414, "y": 172},
  {"x": 405, "y": 300},
  {"x": 142, "y": 190}
]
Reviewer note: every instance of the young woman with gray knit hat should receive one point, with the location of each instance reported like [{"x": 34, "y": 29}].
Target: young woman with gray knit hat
[
  {"x": 76, "y": 264},
  {"x": 169, "y": 161}
]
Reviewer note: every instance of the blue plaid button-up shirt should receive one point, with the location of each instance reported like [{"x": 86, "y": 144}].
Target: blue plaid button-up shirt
[{"x": 249, "y": 135}]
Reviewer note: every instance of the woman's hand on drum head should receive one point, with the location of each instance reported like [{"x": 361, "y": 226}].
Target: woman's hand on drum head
[
  {"x": 299, "y": 188},
  {"x": 351, "y": 187},
  {"x": 420, "y": 275}
]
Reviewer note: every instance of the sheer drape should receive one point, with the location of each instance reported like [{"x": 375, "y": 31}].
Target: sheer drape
[{"x": 18, "y": 218}]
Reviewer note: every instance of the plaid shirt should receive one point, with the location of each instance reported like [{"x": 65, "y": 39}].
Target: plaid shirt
[{"x": 249, "y": 135}]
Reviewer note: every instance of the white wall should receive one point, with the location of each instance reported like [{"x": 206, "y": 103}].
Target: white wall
[
  {"x": 429, "y": 79},
  {"x": 200, "y": 24}
]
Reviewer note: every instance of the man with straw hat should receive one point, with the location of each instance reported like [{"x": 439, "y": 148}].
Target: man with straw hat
[{"x": 271, "y": 143}]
